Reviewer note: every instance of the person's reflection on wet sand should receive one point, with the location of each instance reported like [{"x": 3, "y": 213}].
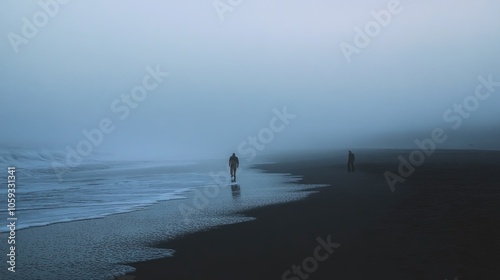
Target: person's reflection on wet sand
[{"x": 235, "y": 190}]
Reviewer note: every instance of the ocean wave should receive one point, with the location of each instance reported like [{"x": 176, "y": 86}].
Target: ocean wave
[
  {"x": 45, "y": 162},
  {"x": 18, "y": 156}
]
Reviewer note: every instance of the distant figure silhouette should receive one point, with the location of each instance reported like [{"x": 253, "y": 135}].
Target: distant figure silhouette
[
  {"x": 350, "y": 162},
  {"x": 234, "y": 163}
]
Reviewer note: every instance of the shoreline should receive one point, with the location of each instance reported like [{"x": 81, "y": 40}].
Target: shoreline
[
  {"x": 381, "y": 234},
  {"x": 100, "y": 248},
  {"x": 275, "y": 221}
]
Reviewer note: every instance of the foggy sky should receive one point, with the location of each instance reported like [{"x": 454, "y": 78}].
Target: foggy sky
[{"x": 227, "y": 78}]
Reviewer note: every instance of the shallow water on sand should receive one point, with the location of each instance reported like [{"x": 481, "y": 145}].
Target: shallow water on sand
[{"x": 98, "y": 248}]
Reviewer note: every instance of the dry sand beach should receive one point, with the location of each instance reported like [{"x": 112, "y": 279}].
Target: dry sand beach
[{"x": 442, "y": 223}]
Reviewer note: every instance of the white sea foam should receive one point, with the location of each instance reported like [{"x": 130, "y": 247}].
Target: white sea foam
[
  {"x": 93, "y": 190},
  {"x": 90, "y": 224}
]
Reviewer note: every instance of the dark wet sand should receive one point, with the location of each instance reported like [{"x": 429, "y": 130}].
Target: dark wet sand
[{"x": 442, "y": 223}]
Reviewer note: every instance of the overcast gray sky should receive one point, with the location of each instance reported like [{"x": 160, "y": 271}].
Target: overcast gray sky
[{"x": 230, "y": 71}]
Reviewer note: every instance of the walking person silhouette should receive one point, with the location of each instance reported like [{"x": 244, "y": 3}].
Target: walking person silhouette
[
  {"x": 234, "y": 163},
  {"x": 350, "y": 162}
]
